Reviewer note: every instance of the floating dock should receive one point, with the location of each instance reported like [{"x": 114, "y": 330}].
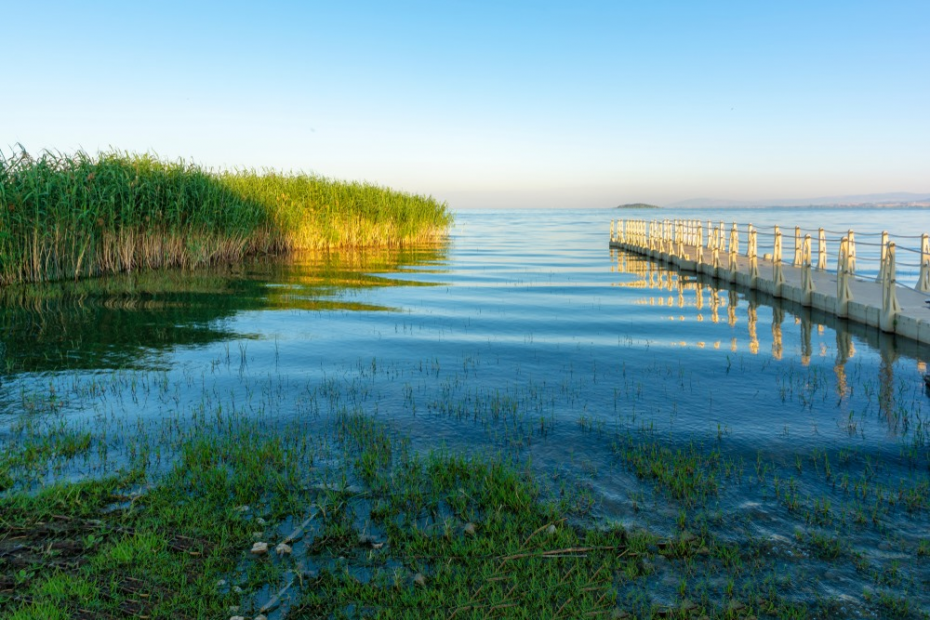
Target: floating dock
[{"x": 877, "y": 301}]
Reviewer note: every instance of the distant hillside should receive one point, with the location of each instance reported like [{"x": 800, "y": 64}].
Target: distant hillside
[
  {"x": 638, "y": 205},
  {"x": 890, "y": 199}
]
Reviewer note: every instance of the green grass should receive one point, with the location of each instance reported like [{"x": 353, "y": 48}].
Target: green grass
[
  {"x": 691, "y": 474},
  {"x": 75, "y": 216},
  {"x": 97, "y": 548},
  {"x": 376, "y": 529}
]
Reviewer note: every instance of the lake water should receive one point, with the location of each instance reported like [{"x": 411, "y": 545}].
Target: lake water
[{"x": 526, "y": 336}]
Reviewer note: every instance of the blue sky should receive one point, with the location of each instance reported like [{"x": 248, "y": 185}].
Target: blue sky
[{"x": 496, "y": 104}]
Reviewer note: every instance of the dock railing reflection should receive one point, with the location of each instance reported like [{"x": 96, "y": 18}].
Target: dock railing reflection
[
  {"x": 694, "y": 296},
  {"x": 863, "y": 287}
]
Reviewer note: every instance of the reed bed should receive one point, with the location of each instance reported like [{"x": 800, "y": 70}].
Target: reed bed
[{"x": 74, "y": 216}]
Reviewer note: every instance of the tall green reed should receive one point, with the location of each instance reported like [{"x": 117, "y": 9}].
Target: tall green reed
[{"x": 73, "y": 216}]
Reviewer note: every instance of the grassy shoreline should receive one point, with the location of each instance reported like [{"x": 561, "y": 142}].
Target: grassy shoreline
[
  {"x": 112, "y": 518},
  {"x": 76, "y": 216}
]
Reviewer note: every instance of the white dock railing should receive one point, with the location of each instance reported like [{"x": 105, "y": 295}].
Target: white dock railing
[{"x": 715, "y": 250}]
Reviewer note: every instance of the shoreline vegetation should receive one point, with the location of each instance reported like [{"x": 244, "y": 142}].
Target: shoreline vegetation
[{"x": 77, "y": 216}]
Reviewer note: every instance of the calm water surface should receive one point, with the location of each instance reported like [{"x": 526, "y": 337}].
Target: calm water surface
[{"x": 524, "y": 335}]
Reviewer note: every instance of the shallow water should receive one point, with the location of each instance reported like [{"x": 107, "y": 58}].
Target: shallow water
[{"x": 526, "y": 335}]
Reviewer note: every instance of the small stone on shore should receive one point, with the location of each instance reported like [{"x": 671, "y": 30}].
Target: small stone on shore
[
  {"x": 282, "y": 549},
  {"x": 260, "y": 548}
]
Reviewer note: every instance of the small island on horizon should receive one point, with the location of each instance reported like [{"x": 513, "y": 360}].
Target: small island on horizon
[{"x": 638, "y": 205}]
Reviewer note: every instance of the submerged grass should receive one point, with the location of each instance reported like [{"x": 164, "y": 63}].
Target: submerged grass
[
  {"x": 427, "y": 536},
  {"x": 372, "y": 528},
  {"x": 76, "y": 216}
]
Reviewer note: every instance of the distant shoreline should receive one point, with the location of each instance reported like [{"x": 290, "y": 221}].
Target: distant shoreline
[
  {"x": 638, "y": 205},
  {"x": 903, "y": 205}
]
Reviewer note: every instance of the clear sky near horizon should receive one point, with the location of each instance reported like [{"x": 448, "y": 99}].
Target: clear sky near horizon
[{"x": 493, "y": 104}]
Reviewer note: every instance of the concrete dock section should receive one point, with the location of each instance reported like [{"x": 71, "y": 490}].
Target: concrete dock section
[{"x": 879, "y": 302}]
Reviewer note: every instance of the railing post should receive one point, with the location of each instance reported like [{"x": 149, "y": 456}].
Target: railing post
[
  {"x": 890, "y": 306},
  {"x": 715, "y": 260},
  {"x": 680, "y": 232},
  {"x": 699, "y": 242},
  {"x": 778, "y": 276},
  {"x": 669, "y": 241},
  {"x": 753, "y": 254},
  {"x": 797, "y": 246},
  {"x": 733, "y": 250},
  {"x": 851, "y": 253},
  {"x": 883, "y": 262},
  {"x": 843, "y": 293},
  {"x": 776, "y": 246},
  {"x": 807, "y": 281},
  {"x": 660, "y": 240},
  {"x": 923, "y": 282},
  {"x": 822, "y": 250}
]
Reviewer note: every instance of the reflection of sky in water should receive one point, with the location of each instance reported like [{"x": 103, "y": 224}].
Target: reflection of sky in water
[{"x": 530, "y": 307}]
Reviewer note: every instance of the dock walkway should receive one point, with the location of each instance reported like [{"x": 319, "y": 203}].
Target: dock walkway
[{"x": 879, "y": 302}]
